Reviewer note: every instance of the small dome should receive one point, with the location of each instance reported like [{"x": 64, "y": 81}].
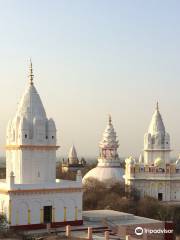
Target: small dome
[
  {"x": 130, "y": 161},
  {"x": 159, "y": 162},
  {"x": 105, "y": 173}
]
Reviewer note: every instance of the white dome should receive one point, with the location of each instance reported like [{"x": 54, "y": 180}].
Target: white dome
[
  {"x": 159, "y": 162},
  {"x": 105, "y": 173}
]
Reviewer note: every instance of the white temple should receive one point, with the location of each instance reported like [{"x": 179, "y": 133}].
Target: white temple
[
  {"x": 72, "y": 163},
  {"x": 109, "y": 164},
  {"x": 31, "y": 196},
  {"x": 155, "y": 174}
]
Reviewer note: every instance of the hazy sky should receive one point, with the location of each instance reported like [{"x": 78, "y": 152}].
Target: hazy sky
[{"x": 92, "y": 58}]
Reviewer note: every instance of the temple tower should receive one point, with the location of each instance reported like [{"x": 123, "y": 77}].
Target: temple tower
[{"x": 31, "y": 140}]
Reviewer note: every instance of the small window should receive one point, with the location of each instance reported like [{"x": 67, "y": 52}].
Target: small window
[
  {"x": 46, "y": 137},
  {"x": 52, "y": 137},
  {"x": 166, "y": 142},
  {"x": 25, "y": 135}
]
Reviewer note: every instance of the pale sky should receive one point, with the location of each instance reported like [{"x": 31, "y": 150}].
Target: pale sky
[{"x": 92, "y": 58}]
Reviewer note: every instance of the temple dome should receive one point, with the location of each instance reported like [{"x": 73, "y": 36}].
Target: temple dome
[
  {"x": 105, "y": 174},
  {"x": 109, "y": 164},
  {"x": 156, "y": 126},
  {"x": 159, "y": 162}
]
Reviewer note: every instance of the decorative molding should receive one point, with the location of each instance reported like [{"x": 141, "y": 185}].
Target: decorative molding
[
  {"x": 55, "y": 190},
  {"x": 32, "y": 147}
]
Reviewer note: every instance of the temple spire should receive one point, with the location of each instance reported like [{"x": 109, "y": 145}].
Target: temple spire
[
  {"x": 157, "y": 106},
  {"x": 156, "y": 125},
  {"x": 31, "y": 76},
  {"x": 110, "y": 119}
]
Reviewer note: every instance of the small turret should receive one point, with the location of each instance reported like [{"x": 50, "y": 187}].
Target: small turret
[{"x": 79, "y": 176}]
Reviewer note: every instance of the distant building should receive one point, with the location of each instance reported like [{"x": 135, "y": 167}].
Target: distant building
[
  {"x": 73, "y": 163},
  {"x": 31, "y": 196},
  {"x": 109, "y": 165},
  {"x": 155, "y": 174}
]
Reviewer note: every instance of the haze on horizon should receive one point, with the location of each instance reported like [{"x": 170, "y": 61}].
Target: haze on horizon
[{"x": 92, "y": 58}]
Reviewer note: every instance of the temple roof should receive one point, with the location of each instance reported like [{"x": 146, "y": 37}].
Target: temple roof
[
  {"x": 156, "y": 126},
  {"x": 30, "y": 105},
  {"x": 109, "y": 137},
  {"x": 72, "y": 155}
]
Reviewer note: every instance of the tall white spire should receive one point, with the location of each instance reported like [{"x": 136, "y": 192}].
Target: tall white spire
[
  {"x": 109, "y": 140},
  {"x": 156, "y": 126},
  {"x": 30, "y": 105},
  {"x": 156, "y": 140},
  {"x": 109, "y": 164},
  {"x": 72, "y": 155}
]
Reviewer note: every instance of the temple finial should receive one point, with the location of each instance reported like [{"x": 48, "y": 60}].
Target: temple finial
[
  {"x": 31, "y": 76},
  {"x": 110, "y": 120},
  {"x": 157, "y": 106}
]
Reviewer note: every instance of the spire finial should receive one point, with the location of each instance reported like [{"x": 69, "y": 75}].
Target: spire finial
[
  {"x": 157, "y": 106},
  {"x": 31, "y": 76},
  {"x": 110, "y": 120}
]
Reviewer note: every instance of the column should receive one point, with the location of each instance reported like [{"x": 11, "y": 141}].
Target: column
[
  {"x": 17, "y": 217},
  {"x": 76, "y": 213},
  {"x": 41, "y": 215},
  {"x": 29, "y": 216},
  {"x": 53, "y": 214},
  {"x": 10, "y": 210},
  {"x": 65, "y": 210}
]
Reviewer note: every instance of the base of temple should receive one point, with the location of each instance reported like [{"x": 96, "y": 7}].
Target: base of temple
[{"x": 43, "y": 225}]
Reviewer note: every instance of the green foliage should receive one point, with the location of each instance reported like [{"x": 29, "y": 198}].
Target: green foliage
[{"x": 3, "y": 223}]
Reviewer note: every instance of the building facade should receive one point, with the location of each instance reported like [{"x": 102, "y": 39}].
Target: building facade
[
  {"x": 155, "y": 174},
  {"x": 31, "y": 196}
]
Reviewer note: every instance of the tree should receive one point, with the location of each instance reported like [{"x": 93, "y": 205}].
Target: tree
[{"x": 3, "y": 222}]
